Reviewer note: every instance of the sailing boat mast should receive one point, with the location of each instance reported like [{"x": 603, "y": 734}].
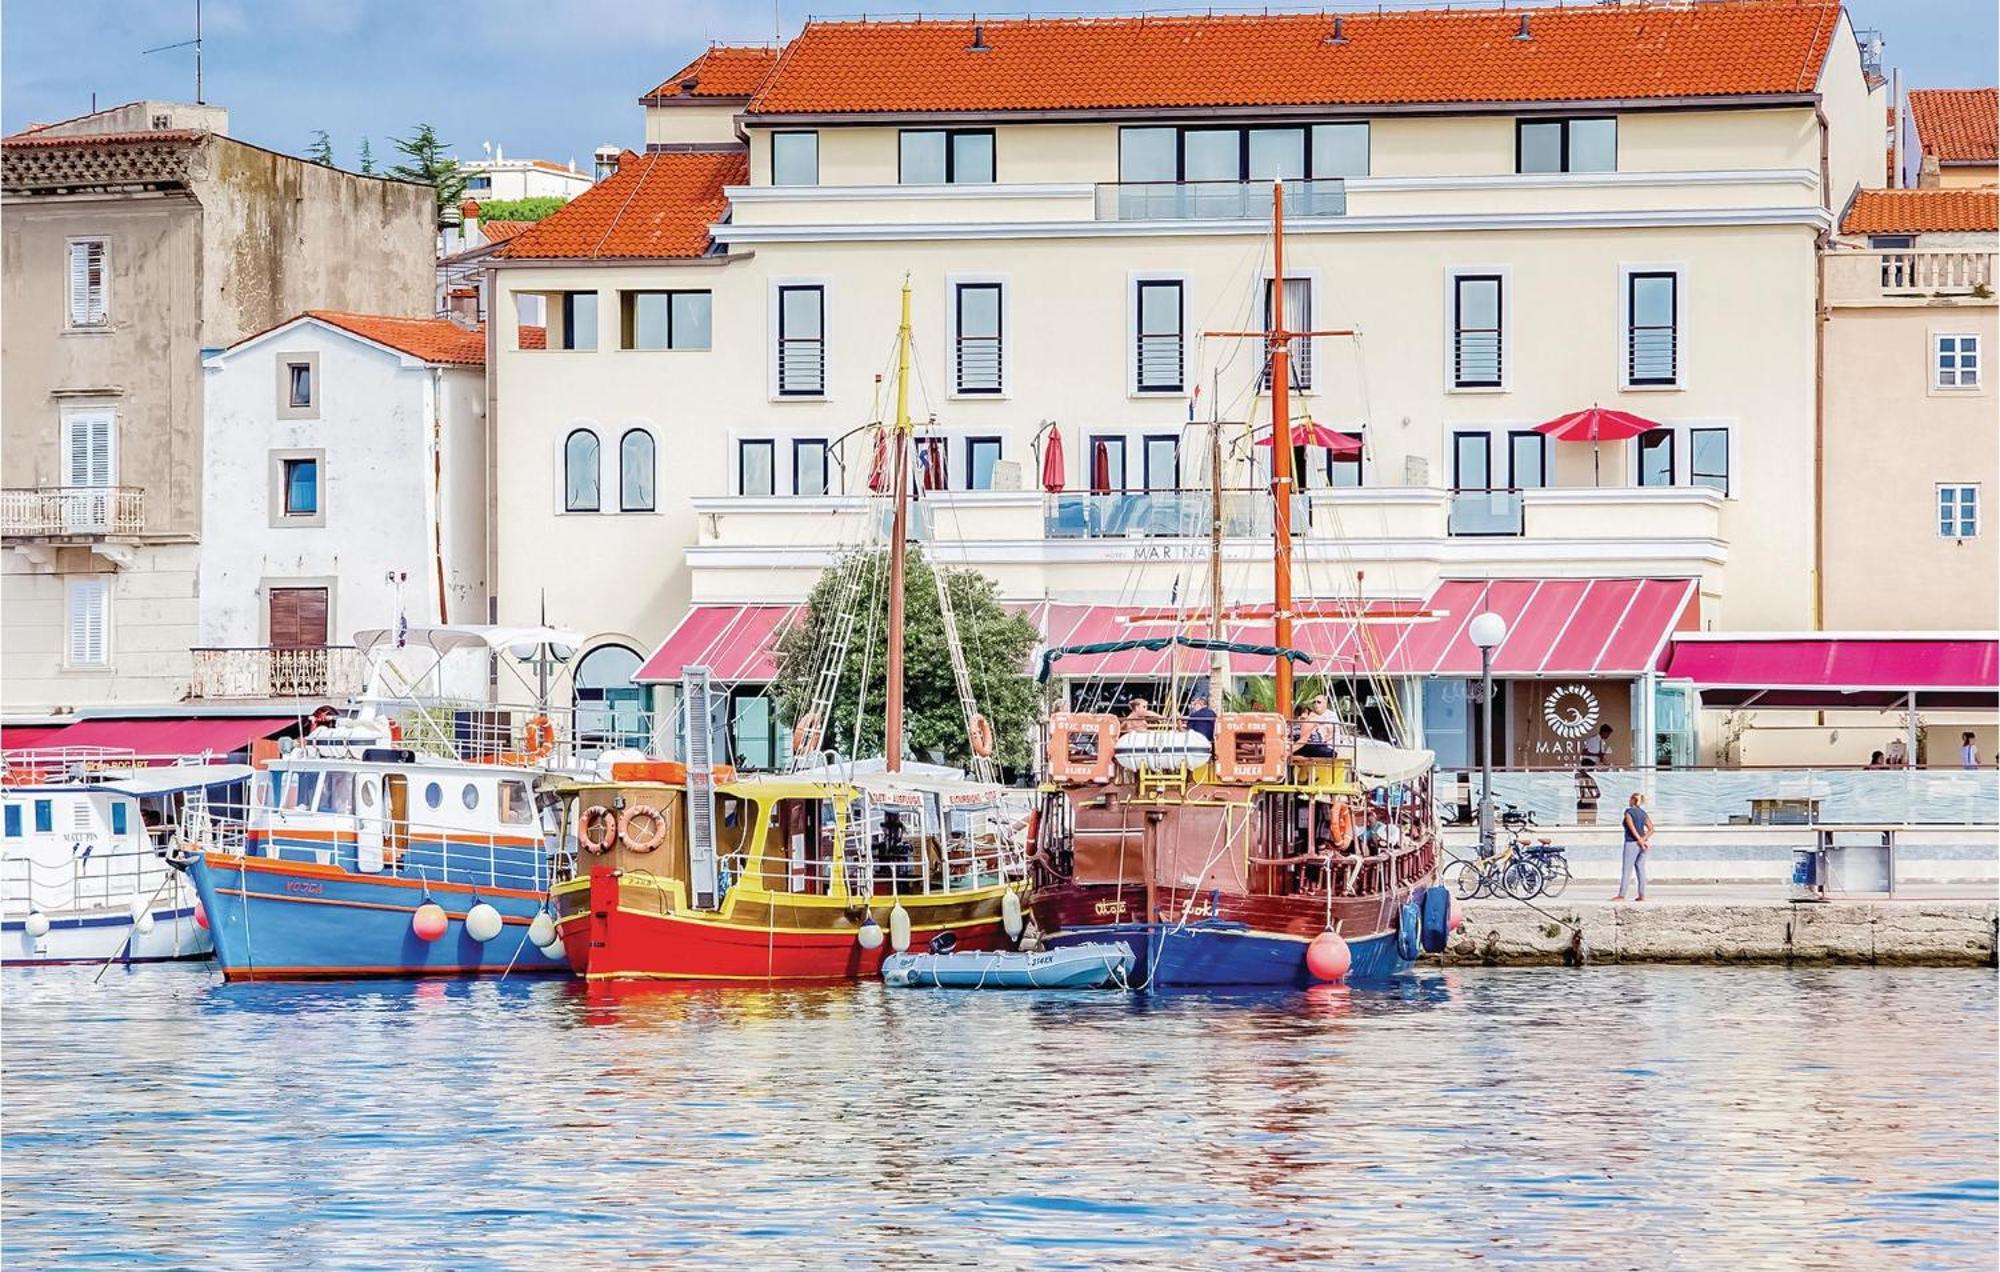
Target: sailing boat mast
[
  {"x": 899, "y": 530},
  {"x": 1218, "y": 666},
  {"x": 1279, "y": 342}
]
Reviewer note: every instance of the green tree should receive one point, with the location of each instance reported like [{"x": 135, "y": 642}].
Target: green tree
[
  {"x": 321, "y": 149},
  {"x": 430, "y": 165},
  {"x": 367, "y": 158},
  {"x": 996, "y": 644},
  {"x": 534, "y": 209}
]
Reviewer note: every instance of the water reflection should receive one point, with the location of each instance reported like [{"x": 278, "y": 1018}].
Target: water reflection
[{"x": 1744, "y": 1114}]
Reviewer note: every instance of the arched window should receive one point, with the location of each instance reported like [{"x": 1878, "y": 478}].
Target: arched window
[
  {"x": 610, "y": 708},
  {"x": 580, "y": 472},
  {"x": 635, "y": 471}
]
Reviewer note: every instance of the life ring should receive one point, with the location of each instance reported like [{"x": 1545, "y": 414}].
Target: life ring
[
  {"x": 981, "y": 735},
  {"x": 596, "y": 819},
  {"x": 539, "y": 737},
  {"x": 1342, "y": 818},
  {"x": 650, "y": 816},
  {"x": 806, "y": 734},
  {"x": 395, "y": 731}
]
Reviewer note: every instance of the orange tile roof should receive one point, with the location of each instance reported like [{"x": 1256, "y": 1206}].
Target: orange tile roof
[
  {"x": 656, "y": 205},
  {"x": 501, "y": 231},
  {"x": 36, "y": 139},
  {"x": 1922, "y": 211},
  {"x": 533, "y": 337},
  {"x": 438, "y": 340},
  {"x": 1957, "y": 125},
  {"x": 1756, "y": 47},
  {"x": 723, "y": 70}
]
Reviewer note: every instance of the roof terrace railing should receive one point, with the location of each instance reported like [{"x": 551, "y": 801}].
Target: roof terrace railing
[{"x": 1217, "y": 200}]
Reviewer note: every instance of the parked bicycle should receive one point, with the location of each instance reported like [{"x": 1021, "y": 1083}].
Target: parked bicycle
[{"x": 1524, "y": 868}]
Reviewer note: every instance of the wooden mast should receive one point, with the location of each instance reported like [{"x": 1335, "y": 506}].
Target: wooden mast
[
  {"x": 1279, "y": 341},
  {"x": 1218, "y": 661},
  {"x": 899, "y": 529}
]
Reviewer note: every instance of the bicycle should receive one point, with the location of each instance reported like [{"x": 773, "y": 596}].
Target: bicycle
[
  {"x": 1500, "y": 872},
  {"x": 1549, "y": 858}
]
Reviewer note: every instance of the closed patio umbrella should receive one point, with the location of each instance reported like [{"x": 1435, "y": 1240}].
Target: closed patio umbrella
[
  {"x": 1052, "y": 462},
  {"x": 878, "y": 468},
  {"x": 1596, "y": 425}
]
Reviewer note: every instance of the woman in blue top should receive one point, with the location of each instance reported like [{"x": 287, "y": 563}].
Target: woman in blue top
[{"x": 1638, "y": 838}]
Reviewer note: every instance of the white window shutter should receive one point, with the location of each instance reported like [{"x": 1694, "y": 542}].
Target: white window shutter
[
  {"x": 88, "y": 602},
  {"x": 86, "y": 283},
  {"x": 87, "y": 446}
]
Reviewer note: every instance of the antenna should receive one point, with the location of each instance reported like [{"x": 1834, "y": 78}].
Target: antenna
[{"x": 195, "y": 44}]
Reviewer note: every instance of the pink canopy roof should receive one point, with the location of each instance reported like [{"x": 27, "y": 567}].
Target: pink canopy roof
[{"x": 1839, "y": 669}]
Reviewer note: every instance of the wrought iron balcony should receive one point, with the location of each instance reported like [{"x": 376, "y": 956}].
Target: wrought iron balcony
[
  {"x": 72, "y": 512},
  {"x": 1217, "y": 200},
  {"x": 254, "y": 672}
]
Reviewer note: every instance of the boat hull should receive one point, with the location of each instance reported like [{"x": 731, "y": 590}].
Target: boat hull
[
  {"x": 107, "y": 936},
  {"x": 613, "y": 931},
  {"x": 290, "y": 920}
]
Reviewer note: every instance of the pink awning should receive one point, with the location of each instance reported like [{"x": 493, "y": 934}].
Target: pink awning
[
  {"x": 172, "y": 738},
  {"x": 735, "y": 642},
  {"x": 1832, "y": 670}
]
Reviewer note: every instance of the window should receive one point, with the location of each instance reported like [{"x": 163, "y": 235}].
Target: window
[
  {"x": 301, "y": 486},
  {"x": 89, "y": 623},
  {"x": 1652, "y": 304},
  {"x": 1340, "y": 150},
  {"x": 664, "y": 319},
  {"x": 433, "y": 795},
  {"x": 978, "y": 355},
  {"x": 580, "y": 471},
  {"x": 298, "y": 384},
  {"x": 754, "y": 467},
  {"x": 1957, "y": 362},
  {"x": 367, "y": 793},
  {"x": 1471, "y": 461},
  {"x": 1163, "y": 462},
  {"x": 795, "y": 158},
  {"x": 469, "y": 796},
  {"x": 1708, "y": 458},
  {"x": 337, "y": 793},
  {"x": 1656, "y": 457},
  {"x": 1276, "y": 154},
  {"x": 1958, "y": 511},
  {"x": 981, "y": 453},
  {"x": 45, "y": 817},
  {"x": 1158, "y": 339},
  {"x": 635, "y": 471},
  {"x": 1343, "y": 468},
  {"x": 1107, "y": 465},
  {"x": 1566, "y": 145},
  {"x": 90, "y": 458},
  {"x": 579, "y": 320},
  {"x": 1148, "y": 154},
  {"x": 1298, "y": 317},
  {"x": 936, "y": 157},
  {"x": 811, "y": 474},
  {"x": 119, "y": 813},
  {"x": 1477, "y": 347},
  {"x": 1527, "y": 460},
  {"x": 801, "y": 341},
  {"x": 297, "y": 618},
  {"x": 300, "y": 787},
  {"x": 1156, "y": 154},
  {"x": 516, "y": 809},
  {"x": 13, "y": 821},
  {"x": 87, "y": 283}
]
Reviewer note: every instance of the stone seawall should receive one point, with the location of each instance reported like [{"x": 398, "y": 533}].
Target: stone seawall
[{"x": 1943, "y": 933}]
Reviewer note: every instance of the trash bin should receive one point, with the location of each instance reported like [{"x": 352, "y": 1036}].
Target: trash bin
[{"x": 1807, "y": 881}]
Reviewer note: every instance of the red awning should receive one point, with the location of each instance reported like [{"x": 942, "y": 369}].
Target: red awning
[
  {"x": 1864, "y": 670},
  {"x": 735, "y": 642},
  {"x": 167, "y": 738}
]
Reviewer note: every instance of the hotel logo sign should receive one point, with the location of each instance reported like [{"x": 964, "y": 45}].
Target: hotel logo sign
[{"x": 1570, "y": 711}]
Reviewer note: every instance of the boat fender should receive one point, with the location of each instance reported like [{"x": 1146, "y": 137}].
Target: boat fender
[
  {"x": 430, "y": 921},
  {"x": 38, "y": 924},
  {"x": 142, "y": 918},
  {"x": 598, "y": 829},
  {"x": 1455, "y": 921},
  {"x": 981, "y": 731},
  {"x": 1436, "y": 932},
  {"x": 641, "y": 827},
  {"x": 805, "y": 734},
  {"x": 1409, "y": 932},
  {"x": 1010, "y": 914},
  {"x": 200, "y": 917},
  {"x": 1328, "y": 958},
  {"x": 899, "y": 928},
  {"x": 870, "y": 935},
  {"x": 542, "y": 930},
  {"x": 483, "y": 922},
  {"x": 1341, "y": 815}
]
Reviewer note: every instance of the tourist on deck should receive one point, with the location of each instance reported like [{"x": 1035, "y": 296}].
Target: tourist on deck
[
  {"x": 1968, "y": 751},
  {"x": 1310, "y": 740},
  {"x": 1877, "y": 760},
  {"x": 1638, "y": 838},
  {"x": 1139, "y": 714},
  {"x": 1201, "y": 717},
  {"x": 1325, "y": 720}
]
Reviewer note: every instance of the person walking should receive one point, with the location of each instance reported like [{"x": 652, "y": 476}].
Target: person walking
[
  {"x": 1968, "y": 751},
  {"x": 1638, "y": 838}
]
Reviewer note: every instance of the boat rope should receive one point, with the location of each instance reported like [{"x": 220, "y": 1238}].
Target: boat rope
[{"x": 126, "y": 946}]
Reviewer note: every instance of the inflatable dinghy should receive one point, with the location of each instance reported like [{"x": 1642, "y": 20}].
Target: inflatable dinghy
[{"x": 1092, "y": 966}]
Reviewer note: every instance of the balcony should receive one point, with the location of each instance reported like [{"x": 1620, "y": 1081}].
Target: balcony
[
  {"x": 72, "y": 512},
  {"x": 1162, "y": 514},
  {"x": 1217, "y": 200},
  {"x": 1486, "y": 512},
  {"x": 265, "y": 672},
  {"x": 1916, "y": 276}
]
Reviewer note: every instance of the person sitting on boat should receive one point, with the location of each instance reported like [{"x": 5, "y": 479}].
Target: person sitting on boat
[
  {"x": 1201, "y": 717},
  {"x": 1312, "y": 740},
  {"x": 1139, "y": 714},
  {"x": 893, "y": 850}
]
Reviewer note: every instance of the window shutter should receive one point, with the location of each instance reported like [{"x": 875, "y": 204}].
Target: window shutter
[
  {"x": 86, "y": 283},
  {"x": 87, "y": 624},
  {"x": 88, "y": 446}
]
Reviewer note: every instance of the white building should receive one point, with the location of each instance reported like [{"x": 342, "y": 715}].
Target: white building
[
  {"x": 502, "y": 178},
  {"x": 346, "y": 476}
]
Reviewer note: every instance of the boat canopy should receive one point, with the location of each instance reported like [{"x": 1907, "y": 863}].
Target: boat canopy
[
  {"x": 1155, "y": 644},
  {"x": 451, "y": 637},
  {"x": 1380, "y": 764},
  {"x": 170, "y": 779}
]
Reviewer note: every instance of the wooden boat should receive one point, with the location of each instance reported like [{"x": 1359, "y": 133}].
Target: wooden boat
[{"x": 1084, "y": 966}]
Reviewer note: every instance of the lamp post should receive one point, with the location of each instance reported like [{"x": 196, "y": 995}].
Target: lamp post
[{"x": 1487, "y": 630}]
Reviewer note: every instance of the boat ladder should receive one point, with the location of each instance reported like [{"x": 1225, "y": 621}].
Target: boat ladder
[{"x": 983, "y": 766}]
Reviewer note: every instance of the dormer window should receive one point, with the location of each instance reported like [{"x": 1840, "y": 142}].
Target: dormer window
[{"x": 795, "y": 158}]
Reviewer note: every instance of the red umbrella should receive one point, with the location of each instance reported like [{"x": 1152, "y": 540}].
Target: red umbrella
[
  {"x": 1312, "y": 434},
  {"x": 878, "y": 470},
  {"x": 1052, "y": 462},
  {"x": 1596, "y": 425}
]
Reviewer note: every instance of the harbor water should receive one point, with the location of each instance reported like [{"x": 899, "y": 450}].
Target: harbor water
[{"x": 1615, "y": 1117}]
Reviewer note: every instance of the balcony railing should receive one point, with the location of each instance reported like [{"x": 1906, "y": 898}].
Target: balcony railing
[
  {"x": 314, "y": 671},
  {"x": 1478, "y": 512},
  {"x": 1162, "y": 514},
  {"x": 1217, "y": 200},
  {"x": 1913, "y": 275},
  {"x": 52, "y": 512}
]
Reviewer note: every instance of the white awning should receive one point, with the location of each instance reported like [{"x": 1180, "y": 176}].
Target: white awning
[
  {"x": 167, "y": 779},
  {"x": 1379, "y": 764},
  {"x": 449, "y": 638}
]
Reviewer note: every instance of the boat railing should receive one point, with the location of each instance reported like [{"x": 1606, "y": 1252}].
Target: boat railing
[
  {"x": 92, "y": 878},
  {"x": 414, "y": 850},
  {"x": 929, "y": 868}
]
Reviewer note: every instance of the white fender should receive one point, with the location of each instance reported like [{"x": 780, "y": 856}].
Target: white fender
[
  {"x": 899, "y": 929},
  {"x": 1010, "y": 914}
]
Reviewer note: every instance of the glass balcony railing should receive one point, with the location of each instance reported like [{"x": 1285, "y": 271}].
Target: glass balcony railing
[
  {"x": 1480, "y": 512},
  {"x": 1217, "y": 200},
  {"x": 1162, "y": 514}
]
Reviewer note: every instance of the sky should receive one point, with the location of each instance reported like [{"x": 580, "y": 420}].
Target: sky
[{"x": 555, "y": 79}]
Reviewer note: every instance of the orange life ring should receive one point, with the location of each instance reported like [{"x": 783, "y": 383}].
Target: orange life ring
[
  {"x": 539, "y": 737},
  {"x": 395, "y": 731},
  {"x": 652, "y": 817},
  {"x": 597, "y": 817},
  {"x": 806, "y": 734},
  {"x": 1342, "y": 818},
  {"x": 981, "y": 736}
]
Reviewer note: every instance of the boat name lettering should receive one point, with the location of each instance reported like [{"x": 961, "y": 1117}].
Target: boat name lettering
[
  {"x": 1106, "y": 909},
  {"x": 304, "y": 888}
]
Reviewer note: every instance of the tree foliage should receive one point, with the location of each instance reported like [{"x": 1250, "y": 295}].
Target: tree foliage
[
  {"x": 533, "y": 209},
  {"x": 367, "y": 158},
  {"x": 321, "y": 149},
  {"x": 428, "y": 164},
  {"x": 997, "y": 644}
]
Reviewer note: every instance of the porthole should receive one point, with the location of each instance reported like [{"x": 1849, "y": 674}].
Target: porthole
[
  {"x": 470, "y": 795},
  {"x": 368, "y": 794},
  {"x": 433, "y": 795}
]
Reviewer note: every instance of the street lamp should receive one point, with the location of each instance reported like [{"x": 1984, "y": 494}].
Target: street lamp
[{"x": 1487, "y": 630}]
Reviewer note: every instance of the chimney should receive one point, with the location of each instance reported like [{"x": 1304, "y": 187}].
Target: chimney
[
  {"x": 1524, "y": 33},
  {"x": 468, "y": 215},
  {"x": 462, "y": 307},
  {"x": 979, "y": 44},
  {"x": 1928, "y": 172},
  {"x": 1339, "y": 35}
]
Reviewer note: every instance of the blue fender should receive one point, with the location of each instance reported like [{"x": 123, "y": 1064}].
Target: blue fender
[
  {"x": 1436, "y": 903},
  {"x": 1409, "y": 932}
]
